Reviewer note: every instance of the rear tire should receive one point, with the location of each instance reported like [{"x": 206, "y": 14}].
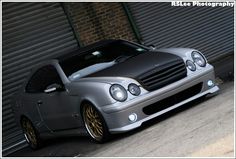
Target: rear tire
[
  {"x": 95, "y": 124},
  {"x": 30, "y": 133}
]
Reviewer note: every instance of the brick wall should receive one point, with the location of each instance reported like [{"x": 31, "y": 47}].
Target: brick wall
[{"x": 98, "y": 20}]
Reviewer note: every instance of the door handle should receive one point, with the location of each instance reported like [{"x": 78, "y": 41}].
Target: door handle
[{"x": 39, "y": 102}]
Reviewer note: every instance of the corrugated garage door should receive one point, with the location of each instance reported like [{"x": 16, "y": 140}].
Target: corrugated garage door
[
  {"x": 32, "y": 32},
  {"x": 207, "y": 29}
]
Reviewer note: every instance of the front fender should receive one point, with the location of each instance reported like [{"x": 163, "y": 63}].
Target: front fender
[{"x": 94, "y": 92}]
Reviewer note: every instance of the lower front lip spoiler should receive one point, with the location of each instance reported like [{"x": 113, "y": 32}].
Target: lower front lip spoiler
[{"x": 139, "y": 123}]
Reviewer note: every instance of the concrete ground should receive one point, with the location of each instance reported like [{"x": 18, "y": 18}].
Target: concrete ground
[{"x": 200, "y": 128}]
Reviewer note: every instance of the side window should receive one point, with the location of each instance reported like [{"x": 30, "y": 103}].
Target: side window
[{"x": 42, "y": 78}]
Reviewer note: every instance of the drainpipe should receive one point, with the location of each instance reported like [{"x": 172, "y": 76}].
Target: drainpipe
[
  {"x": 71, "y": 24},
  {"x": 132, "y": 23}
]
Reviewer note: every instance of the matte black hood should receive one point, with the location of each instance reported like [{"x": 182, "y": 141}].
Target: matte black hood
[{"x": 137, "y": 65}]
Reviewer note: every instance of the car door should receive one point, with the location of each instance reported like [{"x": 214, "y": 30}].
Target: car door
[{"x": 55, "y": 105}]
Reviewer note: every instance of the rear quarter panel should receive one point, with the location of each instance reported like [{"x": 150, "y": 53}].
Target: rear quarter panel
[{"x": 25, "y": 104}]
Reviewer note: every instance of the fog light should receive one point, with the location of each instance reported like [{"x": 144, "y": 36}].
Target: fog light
[
  {"x": 133, "y": 117},
  {"x": 210, "y": 83}
]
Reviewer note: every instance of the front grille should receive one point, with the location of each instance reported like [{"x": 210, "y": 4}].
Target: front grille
[
  {"x": 174, "y": 99},
  {"x": 163, "y": 75}
]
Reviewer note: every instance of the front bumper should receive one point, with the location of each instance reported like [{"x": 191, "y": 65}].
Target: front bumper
[{"x": 116, "y": 115}]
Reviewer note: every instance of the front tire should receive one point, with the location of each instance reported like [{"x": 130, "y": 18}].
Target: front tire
[
  {"x": 30, "y": 133},
  {"x": 95, "y": 124}
]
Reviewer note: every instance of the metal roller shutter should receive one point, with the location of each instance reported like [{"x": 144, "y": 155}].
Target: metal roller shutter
[
  {"x": 32, "y": 32},
  {"x": 208, "y": 29}
]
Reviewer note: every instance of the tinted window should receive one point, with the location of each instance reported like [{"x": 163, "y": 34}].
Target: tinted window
[
  {"x": 43, "y": 78},
  {"x": 99, "y": 58}
]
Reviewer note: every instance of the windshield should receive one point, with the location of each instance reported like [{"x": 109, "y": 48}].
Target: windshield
[{"x": 99, "y": 58}]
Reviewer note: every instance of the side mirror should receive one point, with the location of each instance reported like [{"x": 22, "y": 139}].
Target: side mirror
[
  {"x": 53, "y": 88},
  {"x": 152, "y": 47}
]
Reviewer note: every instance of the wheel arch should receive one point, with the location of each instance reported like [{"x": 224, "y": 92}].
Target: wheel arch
[
  {"x": 87, "y": 101},
  {"x": 28, "y": 118},
  {"x": 24, "y": 116}
]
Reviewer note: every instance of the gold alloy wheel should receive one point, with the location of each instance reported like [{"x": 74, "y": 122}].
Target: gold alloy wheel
[
  {"x": 93, "y": 122},
  {"x": 29, "y": 132}
]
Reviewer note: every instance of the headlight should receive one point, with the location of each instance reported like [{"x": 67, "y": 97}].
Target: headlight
[
  {"x": 118, "y": 92},
  {"x": 191, "y": 65},
  {"x": 134, "y": 89},
  {"x": 199, "y": 59}
]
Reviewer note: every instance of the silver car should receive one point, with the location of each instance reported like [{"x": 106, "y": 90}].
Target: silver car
[{"x": 112, "y": 86}]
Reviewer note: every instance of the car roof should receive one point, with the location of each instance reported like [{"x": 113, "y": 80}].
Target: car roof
[{"x": 85, "y": 49}]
